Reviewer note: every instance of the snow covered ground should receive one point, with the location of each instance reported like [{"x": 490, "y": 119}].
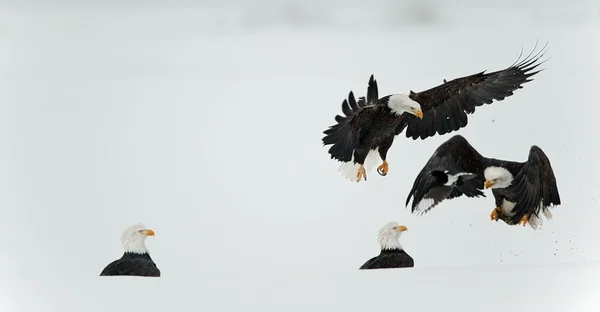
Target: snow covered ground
[
  {"x": 548, "y": 288},
  {"x": 212, "y": 137}
]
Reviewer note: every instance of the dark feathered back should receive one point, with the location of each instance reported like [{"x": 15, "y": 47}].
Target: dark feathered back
[
  {"x": 132, "y": 264},
  {"x": 389, "y": 259}
]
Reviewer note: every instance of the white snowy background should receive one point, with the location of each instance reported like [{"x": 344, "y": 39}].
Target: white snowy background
[{"x": 204, "y": 120}]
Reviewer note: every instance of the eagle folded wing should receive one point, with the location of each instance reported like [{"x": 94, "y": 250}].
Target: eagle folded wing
[{"x": 536, "y": 186}]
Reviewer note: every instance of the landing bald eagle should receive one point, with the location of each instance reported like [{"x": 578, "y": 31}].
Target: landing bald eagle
[
  {"x": 369, "y": 126},
  {"x": 521, "y": 189},
  {"x": 136, "y": 259},
  {"x": 392, "y": 253}
]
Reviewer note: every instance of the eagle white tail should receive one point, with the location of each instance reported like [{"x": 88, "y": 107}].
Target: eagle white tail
[
  {"x": 533, "y": 221},
  {"x": 349, "y": 169},
  {"x": 536, "y": 222}
]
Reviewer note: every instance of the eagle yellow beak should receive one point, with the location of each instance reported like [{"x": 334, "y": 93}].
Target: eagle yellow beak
[
  {"x": 489, "y": 183},
  {"x": 149, "y": 232},
  {"x": 419, "y": 113},
  {"x": 402, "y": 228}
]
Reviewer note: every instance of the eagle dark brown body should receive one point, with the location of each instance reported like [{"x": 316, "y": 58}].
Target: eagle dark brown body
[
  {"x": 132, "y": 264},
  {"x": 389, "y": 259}
]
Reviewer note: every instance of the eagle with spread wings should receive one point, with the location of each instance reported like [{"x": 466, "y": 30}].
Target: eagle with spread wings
[
  {"x": 522, "y": 190},
  {"x": 367, "y": 130}
]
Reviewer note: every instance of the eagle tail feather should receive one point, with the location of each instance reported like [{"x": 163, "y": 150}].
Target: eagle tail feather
[{"x": 349, "y": 169}]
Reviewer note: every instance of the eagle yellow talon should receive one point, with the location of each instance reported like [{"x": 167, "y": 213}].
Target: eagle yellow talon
[
  {"x": 362, "y": 173},
  {"x": 383, "y": 169},
  {"x": 495, "y": 214},
  {"x": 524, "y": 220}
]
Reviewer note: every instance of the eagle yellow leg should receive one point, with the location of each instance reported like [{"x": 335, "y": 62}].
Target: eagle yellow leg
[
  {"x": 383, "y": 169},
  {"x": 495, "y": 214},
  {"x": 524, "y": 219},
  {"x": 362, "y": 173}
]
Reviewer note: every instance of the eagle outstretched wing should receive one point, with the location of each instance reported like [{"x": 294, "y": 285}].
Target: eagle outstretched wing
[
  {"x": 457, "y": 157},
  {"x": 535, "y": 186},
  {"x": 344, "y": 136},
  {"x": 445, "y": 107}
]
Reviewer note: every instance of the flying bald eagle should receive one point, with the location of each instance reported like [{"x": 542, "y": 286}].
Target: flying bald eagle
[
  {"x": 521, "y": 189},
  {"x": 136, "y": 259},
  {"x": 369, "y": 126},
  {"x": 392, "y": 254}
]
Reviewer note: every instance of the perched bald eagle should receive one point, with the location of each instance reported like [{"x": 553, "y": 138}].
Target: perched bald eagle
[
  {"x": 369, "y": 126},
  {"x": 136, "y": 259},
  {"x": 521, "y": 189},
  {"x": 392, "y": 254}
]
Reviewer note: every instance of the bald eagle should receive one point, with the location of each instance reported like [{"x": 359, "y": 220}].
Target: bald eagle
[
  {"x": 521, "y": 189},
  {"x": 392, "y": 254},
  {"x": 370, "y": 124},
  {"x": 136, "y": 259}
]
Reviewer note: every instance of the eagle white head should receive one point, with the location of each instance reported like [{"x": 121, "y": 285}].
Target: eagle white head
[
  {"x": 497, "y": 177},
  {"x": 401, "y": 103},
  {"x": 134, "y": 238},
  {"x": 389, "y": 236}
]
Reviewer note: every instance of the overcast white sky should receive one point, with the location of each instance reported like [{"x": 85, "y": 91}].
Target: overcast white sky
[{"x": 207, "y": 128}]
